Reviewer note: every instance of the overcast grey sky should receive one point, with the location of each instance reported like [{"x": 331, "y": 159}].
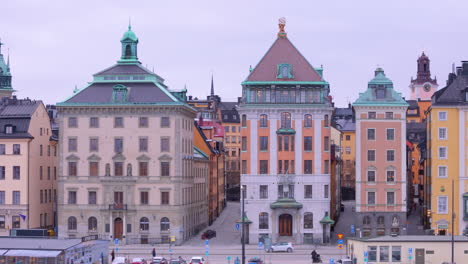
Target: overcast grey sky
[{"x": 55, "y": 45}]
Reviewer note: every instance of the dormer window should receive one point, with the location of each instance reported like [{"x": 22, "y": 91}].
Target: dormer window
[
  {"x": 119, "y": 93},
  {"x": 8, "y": 129},
  {"x": 380, "y": 93},
  {"x": 284, "y": 71}
]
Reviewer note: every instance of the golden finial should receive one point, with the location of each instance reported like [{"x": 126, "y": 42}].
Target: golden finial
[{"x": 281, "y": 24}]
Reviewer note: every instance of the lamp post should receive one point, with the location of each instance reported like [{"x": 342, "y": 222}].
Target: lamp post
[{"x": 242, "y": 223}]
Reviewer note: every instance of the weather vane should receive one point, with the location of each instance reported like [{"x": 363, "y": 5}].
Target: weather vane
[{"x": 281, "y": 24}]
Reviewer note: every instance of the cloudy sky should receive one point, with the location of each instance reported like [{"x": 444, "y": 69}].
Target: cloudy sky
[{"x": 55, "y": 45}]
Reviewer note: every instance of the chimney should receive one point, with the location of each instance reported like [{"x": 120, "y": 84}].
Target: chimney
[
  {"x": 459, "y": 71},
  {"x": 190, "y": 98},
  {"x": 464, "y": 68},
  {"x": 451, "y": 77}
]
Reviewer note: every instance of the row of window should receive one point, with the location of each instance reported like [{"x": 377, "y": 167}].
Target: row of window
[
  {"x": 390, "y": 155},
  {"x": 371, "y": 134},
  {"x": 286, "y": 143},
  {"x": 15, "y": 221},
  {"x": 371, "y": 198},
  {"x": 165, "y": 224},
  {"x": 16, "y": 173},
  {"x": 16, "y": 197},
  {"x": 16, "y": 150},
  {"x": 232, "y": 153},
  {"x": 287, "y": 167},
  {"x": 232, "y": 139},
  {"x": 119, "y": 144},
  {"x": 285, "y": 120},
  {"x": 372, "y": 176},
  {"x": 143, "y": 122},
  {"x": 288, "y": 191},
  {"x": 373, "y": 115},
  {"x": 41, "y": 152},
  {"x": 234, "y": 129},
  {"x": 143, "y": 168},
  {"x": 284, "y": 96},
  {"x": 263, "y": 220},
  {"x": 384, "y": 254},
  {"x": 119, "y": 198},
  {"x": 45, "y": 196},
  {"x": 41, "y": 173}
]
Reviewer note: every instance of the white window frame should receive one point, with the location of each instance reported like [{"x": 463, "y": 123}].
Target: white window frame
[
  {"x": 446, "y": 153},
  {"x": 394, "y": 176},
  {"x": 375, "y": 198},
  {"x": 375, "y": 134},
  {"x": 446, "y": 204},
  {"x": 446, "y": 171},
  {"x": 375, "y": 155},
  {"x": 386, "y": 134},
  {"x": 394, "y": 198},
  {"x": 386, "y": 155},
  {"x": 439, "y": 115},
  {"x": 375, "y": 177},
  {"x": 438, "y": 133}
]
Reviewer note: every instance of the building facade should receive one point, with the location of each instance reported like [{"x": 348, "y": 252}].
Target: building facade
[
  {"x": 127, "y": 166},
  {"x": 447, "y": 135},
  {"x": 381, "y": 184},
  {"x": 423, "y": 87},
  {"x": 28, "y": 166},
  {"x": 285, "y": 147},
  {"x": 232, "y": 145}
]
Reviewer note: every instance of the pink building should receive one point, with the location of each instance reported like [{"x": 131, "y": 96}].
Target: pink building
[{"x": 380, "y": 159}]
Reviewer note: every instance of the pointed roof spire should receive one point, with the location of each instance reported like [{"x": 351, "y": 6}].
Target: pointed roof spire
[
  {"x": 8, "y": 60},
  {"x": 129, "y": 23},
  {"x": 1, "y": 45},
  {"x": 212, "y": 85}
]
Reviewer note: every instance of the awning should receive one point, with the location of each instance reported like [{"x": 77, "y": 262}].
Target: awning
[
  {"x": 2, "y": 251},
  {"x": 33, "y": 253}
]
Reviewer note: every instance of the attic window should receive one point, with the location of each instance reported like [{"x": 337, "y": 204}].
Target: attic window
[
  {"x": 119, "y": 93},
  {"x": 380, "y": 93},
  {"x": 8, "y": 129},
  {"x": 284, "y": 71}
]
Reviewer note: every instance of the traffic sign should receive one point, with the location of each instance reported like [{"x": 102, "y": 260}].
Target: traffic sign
[
  {"x": 207, "y": 242},
  {"x": 237, "y": 226},
  {"x": 366, "y": 253},
  {"x": 340, "y": 246},
  {"x": 116, "y": 249},
  {"x": 260, "y": 245},
  {"x": 352, "y": 229},
  {"x": 170, "y": 250},
  {"x": 228, "y": 257},
  {"x": 207, "y": 253},
  {"x": 340, "y": 241},
  {"x": 237, "y": 261},
  {"x": 410, "y": 250},
  {"x": 116, "y": 241},
  {"x": 332, "y": 261},
  {"x": 340, "y": 236}
]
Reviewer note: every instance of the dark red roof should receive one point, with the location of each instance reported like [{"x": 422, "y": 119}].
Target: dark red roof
[{"x": 283, "y": 51}]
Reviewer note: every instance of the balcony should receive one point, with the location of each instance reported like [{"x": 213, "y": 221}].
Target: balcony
[{"x": 118, "y": 207}]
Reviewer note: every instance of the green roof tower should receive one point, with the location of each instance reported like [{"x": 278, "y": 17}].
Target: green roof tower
[
  {"x": 129, "y": 42},
  {"x": 6, "y": 89}
]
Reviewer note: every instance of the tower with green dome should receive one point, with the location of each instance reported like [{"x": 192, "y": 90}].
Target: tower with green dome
[
  {"x": 129, "y": 42},
  {"x": 6, "y": 90}
]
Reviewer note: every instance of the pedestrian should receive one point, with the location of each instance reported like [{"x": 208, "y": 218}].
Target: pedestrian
[
  {"x": 112, "y": 255},
  {"x": 153, "y": 252}
]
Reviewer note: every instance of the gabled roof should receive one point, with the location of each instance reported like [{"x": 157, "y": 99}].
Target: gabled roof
[
  {"x": 125, "y": 69},
  {"x": 17, "y": 113},
  {"x": 454, "y": 92},
  {"x": 283, "y": 51}
]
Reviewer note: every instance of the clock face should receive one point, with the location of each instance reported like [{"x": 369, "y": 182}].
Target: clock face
[{"x": 427, "y": 87}]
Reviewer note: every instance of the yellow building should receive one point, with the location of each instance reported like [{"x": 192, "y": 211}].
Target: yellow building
[
  {"x": 447, "y": 144},
  {"x": 344, "y": 119}
]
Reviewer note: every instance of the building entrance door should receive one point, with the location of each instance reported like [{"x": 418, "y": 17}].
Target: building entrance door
[
  {"x": 420, "y": 256},
  {"x": 285, "y": 225},
  {"x": 118, "y": 228}
]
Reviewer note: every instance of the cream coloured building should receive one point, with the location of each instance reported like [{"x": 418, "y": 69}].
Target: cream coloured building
[{"x": 128, "y": 169}]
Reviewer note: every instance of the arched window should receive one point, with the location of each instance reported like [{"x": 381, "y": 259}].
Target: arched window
[
  {"x": 165, "y": 224},
  {"x": 263, "y": 120},
  {"x": 263, "y": 220},
  {"x": 325, "y": 121},
  {"x": 381, "y": 220},
  {"x": 307, "y": 121},
  {"x": 92, "y": 223},
  {"x": 285, "y": 120},
  {"x": 308, "y": 220},
  {"x": 128, "y": 51},
  {"x": 244, "y": 121},
  {"x": 366, "y": 220},
  {"x": 144, "y": 224},
  {"x": 71, "y": 223}
]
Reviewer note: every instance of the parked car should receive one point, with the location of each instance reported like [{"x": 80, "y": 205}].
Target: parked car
[
  {"x": 197, "y": 260},
  {"x": 342, "y": 207},
  {"x": 177, "y": 261},
  {"x": 120, "y": 260},
  {"x": 208, "y": 234},
  {"x": 138, "y": 261},
  {"x": 159, "y": 260},
  {"x": 283, "y": 246},
  {"x": 255, "y": 260},
  {"x": 345, "y": 261}
]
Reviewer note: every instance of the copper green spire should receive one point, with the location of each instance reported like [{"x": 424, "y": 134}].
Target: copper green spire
[
  {"x": 129, "y": 47},
  {"x": 6, "y": 89}
]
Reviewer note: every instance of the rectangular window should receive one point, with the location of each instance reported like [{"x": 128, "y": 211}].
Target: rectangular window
[
  {"x": 326, "y": 191},
  {"x": 280, "y": 166},
  {"x": 143, "y": 168},
  {"x": 164, "y": 197},
  {"x": 144, "y": 197},
  {"x": 165, "y": 168},
  {"x": 263, "y": 191},
  {"x": 93, "y": 168},
  {"x": 371, "y": 176},
  {"x": 442, "y": 172},
  {"x": 383, "y": 254},
  {"x": 390, "y": 155},
  {"x": 118, "y": 145},
  {"x": 2, "y": 149},
  {"x": 94, "y": 122},
  {"x": 371, "y": 115},
  {"x": 371, "y": 198},
  {"x": 48, "y": 151},
  {"x": 15, "y": 221},
  {"x": 143, "y": 121},
  {"x": 118, "y": 122},
  {"x": 118, "y": 168},
  {"x": 92, "y": 197},
  {"x": 72, "y": 122},
  {"x": 2, "y": 222},
  {"x": 388, "y": 115},
  {"x": 307, "y": 166},
  {"x": 371, "y": 134},
  {"x": 143, "y": 144},
  {"x": 442, "y": 133},
  {"x": 72, "y": 168},
  {"x": 280, "y": 143},
  {"x": 233, "y": 129},
  {"x": 40, "y": 150},
  {"x": 41, "y": 197},
  {"x": 348, "y": 150},
  {"x": 372, "y": 253},
  {"x": 390, "y": 176},
  {"x": 40, "y": 172},
  {"x": 165, "y": 144},
  {"x": 16, "y": 197},
  {"x": 286, "y": 143},
  {"x": 244, "y": 143},
  {"x": 442, "y": 205},
  {"x": 348, "y": 137},
  {"x": 442, "y": 116},
  {"x": 226, "y": 129},
  {"x": 16, "y": 172},
  {"x": 326, "y": 166},
  {"x": 442, "y": 152},
  {"x": 307, "y": 191},
  {"x": 307, "y": 143},
  {"x": 263, "y": 166},
  {"x": 244, "y": 166},
  {"x": 396, "y": 253},
  {"x": 72, "y": 144},
  {"x": 71, "y": 197},
  {"x": 326, "y": 144},
  {"x": 16, "y": 149},
  {"x": 370, "y": 155},
  {"x": 263, "y": 143},
  {"x": 2, "y": 172},
  {"x": 165, "y": 121},
  {"x": 390, "y": 134},
  {"x": 390, "y": 198},
  {"x": 348, "y": 163},
  {"x": 2, "y": 197},
  {"x": 93, "y": 144}
]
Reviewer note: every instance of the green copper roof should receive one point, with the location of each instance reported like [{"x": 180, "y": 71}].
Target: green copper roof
[
  {"x": 245, "y": 220},
  {"x": 380, "y": 92},
  {"x": 130, "y": 35},
  {"x": 286, "y": 203},
  {"x": 326, "y": 220}
]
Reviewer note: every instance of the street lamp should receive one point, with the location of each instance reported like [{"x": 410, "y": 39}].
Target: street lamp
[{"x": 242, "y": 223}]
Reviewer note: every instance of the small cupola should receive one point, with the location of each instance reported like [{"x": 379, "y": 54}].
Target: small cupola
[{"x": 129, "y": 42}]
